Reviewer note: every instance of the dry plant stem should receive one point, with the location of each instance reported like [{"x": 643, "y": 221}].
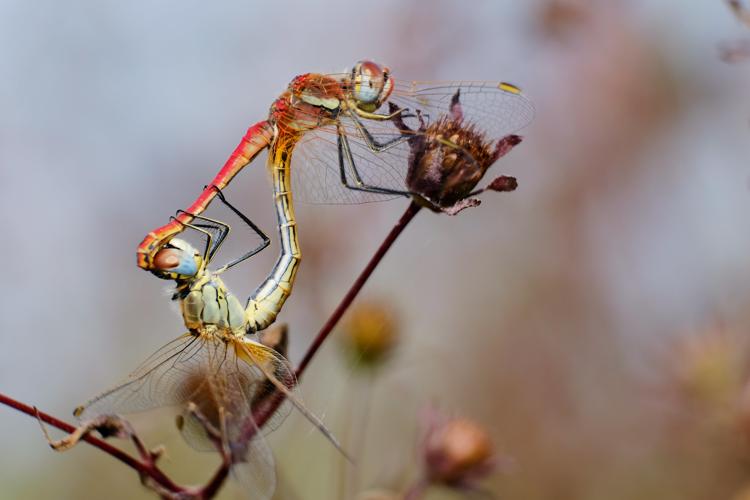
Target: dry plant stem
[
  {"x": 144, "y": 469},
  {"x": 324, "y": 332},
  {"x": 260, "y": 417}
]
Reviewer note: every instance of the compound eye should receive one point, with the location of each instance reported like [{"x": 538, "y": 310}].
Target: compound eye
[
  {"x": 167, "y": 259},
  {"x": 176, "y": 261},
  {"x": 369, "y": 82}
]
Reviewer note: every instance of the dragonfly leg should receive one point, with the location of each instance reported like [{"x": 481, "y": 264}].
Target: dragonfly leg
[
  {"x": 266, "y": 240},
  {"x": 376, "y": 116},
  {"x": 224, "y": 229},
  {"x": 345, "y": 155},
  {"x": 257, "y": 138},
  {"x": 201, "y": 228},
  {"x": 372, "y": 143}
]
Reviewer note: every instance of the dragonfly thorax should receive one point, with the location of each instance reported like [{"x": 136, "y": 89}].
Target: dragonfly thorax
[{"x": 208, "y": 305}]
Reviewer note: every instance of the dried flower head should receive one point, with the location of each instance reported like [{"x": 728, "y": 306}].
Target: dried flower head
[
  {"x": 369, "y": 334},
  {"x": 457, "y": 452},
  {"x": 449, "y": 157}
]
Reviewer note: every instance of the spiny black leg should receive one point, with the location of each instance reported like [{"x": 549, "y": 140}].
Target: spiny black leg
[
  {"x": 200, "y": 229},
  {"x": 266, "y": 240},
  {"x": 220, "y": 231},
  {"x": 345, "y": 154},
  {"x": 373, "y": 143}
]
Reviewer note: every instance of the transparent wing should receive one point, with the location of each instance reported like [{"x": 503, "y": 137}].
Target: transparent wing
[
  {"x": 266, "y": 395},
  {"x": 277, "y": 370},
  {"x": 316, "y": 164},
  {"x": 497, "y": 109},
  {"x": 257, "y": 472},
  {"x": 224, "y": 394},
  {"x": 226, "y": 384},
  {"x": 156, "y": 383}
]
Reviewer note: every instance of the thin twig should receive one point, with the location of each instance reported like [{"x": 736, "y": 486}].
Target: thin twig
[
  {"x": 143, "y": 469},
  {"x": 324, "y": 332},
  {"x": 266, "y": 410}
]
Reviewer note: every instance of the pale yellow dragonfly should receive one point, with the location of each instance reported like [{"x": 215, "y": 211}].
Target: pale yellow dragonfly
[{"x": 228, "y": 376}]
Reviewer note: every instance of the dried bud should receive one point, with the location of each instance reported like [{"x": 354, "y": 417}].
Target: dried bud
[
  {"x": 503, "y": 183},
  {"x": 369, "y": 334},
  {"x": 449, "y": 157},
  {"x": 457, "y": 452}
]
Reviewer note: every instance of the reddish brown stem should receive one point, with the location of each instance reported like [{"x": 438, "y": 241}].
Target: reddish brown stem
[
  {"x": 144, "y": 469},
  {"x": 268, "y": 408},
  {"x": 328, "y": 327}
]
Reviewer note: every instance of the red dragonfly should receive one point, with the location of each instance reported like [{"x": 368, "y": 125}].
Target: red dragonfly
[{"x": 346, "y": 150}]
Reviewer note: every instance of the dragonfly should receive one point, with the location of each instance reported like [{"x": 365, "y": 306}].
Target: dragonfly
[
  {"x": 331, "y": 140},
  {"x": 214, "y": 372}
]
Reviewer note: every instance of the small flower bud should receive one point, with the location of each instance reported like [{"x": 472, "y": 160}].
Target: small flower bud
[
  {"x": 457, "y": 452},
  {"x": 503, "y": 183},
  {"x": 369, "y": 334}
]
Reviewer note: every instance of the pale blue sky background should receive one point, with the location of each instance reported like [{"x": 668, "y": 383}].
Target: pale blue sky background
[{"x": 114, "y": 114}]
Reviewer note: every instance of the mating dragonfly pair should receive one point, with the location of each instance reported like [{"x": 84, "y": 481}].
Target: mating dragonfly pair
[{"x": 329, "y": 141}]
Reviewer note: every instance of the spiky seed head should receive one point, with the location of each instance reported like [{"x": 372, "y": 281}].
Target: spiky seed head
[{"x": 449, "y": 162}]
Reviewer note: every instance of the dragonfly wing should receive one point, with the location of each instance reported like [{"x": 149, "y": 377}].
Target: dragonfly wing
[
  {"x": 316, "y": 165},
  {"x": 224, "y": 390},
  {"x": 266, "y": 394},
  {"x": 496, "y": 108},
  {"x": 277, "y": 370},
  {"x": 256, "y": 473},
  {"x": 230, "y": 388},
  {"x": 156, "y": 383}
]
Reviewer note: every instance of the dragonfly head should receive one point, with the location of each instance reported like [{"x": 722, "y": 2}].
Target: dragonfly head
[
  {"x": 178, "y": 261},
  {"x": 371, "y": 85}
]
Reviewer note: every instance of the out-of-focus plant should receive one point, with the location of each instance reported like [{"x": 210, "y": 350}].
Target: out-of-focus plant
[
  {"x": 737, "y": 50},
  {"x": 455, "y": 453},
  {"x": 369, "y": 334},
  {"x": 711, "y": 371}
]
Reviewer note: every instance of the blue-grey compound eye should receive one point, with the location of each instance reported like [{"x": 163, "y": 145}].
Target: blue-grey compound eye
[
  {"x": 369, "y": 80},
  {"x": 187, "y": 265}
]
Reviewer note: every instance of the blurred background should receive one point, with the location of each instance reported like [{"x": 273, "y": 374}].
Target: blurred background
[{"x": 594, "y": 322}]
